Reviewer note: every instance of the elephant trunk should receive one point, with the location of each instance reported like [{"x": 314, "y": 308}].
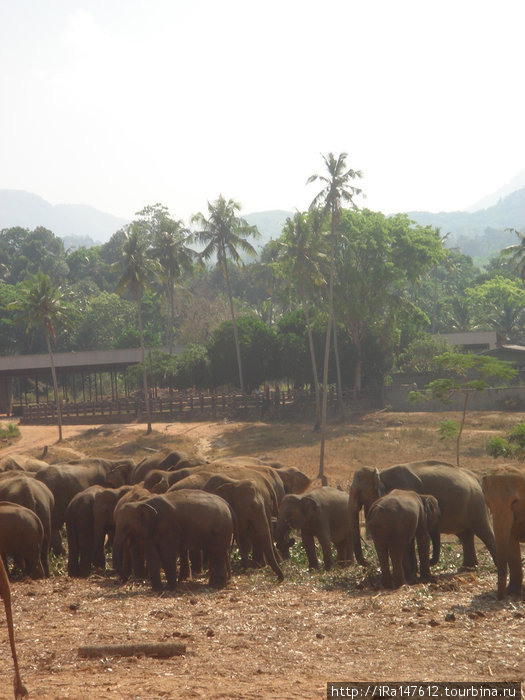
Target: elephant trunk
[
  {"x": 354, "y": 506},
  {"x": 282, "y": 537},
  {"x": 436, "y": 546}
]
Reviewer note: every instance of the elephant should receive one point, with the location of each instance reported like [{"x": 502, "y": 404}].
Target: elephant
[
  {"x": 320, "y": 513},
  {"x": 21, "y": 535},
  {"x": 66, "y": 480},
  {"x": 294, "y": 480},
  {"x": 27, "y": 491},
  {"x": 104, "y": 505},
  {"x": 252, "y": 525},
  {"x": 266, "y": 477},
  {"x": 80, "y": 526},
  {"x": 458, "y": 492},
  {"x": 504, "y": 492},
  {"x": 130, "y": 556},
  {"x": 395, "y": 521},
  {"x": 5, "y": 592},
  {"x": 170, "y": 525},
  {"x": 21, "y": 462},
  {"x": 166, "y": 461}
]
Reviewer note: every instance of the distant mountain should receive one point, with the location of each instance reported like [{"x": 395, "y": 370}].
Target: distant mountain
[
  {"x": 480, "y": 233},
  {"x": 68, "y": 221},
  {"x": 269, "y": 223},
  {"x": 517, "y": 183}
]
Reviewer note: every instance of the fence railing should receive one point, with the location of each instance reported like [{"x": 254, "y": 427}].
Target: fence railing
[{"x": 190, "y": 407}]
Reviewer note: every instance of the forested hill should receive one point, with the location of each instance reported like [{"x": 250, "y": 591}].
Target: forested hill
[
  {"x": 479, "y": 233},
  {"x": 69, "y": 221}
]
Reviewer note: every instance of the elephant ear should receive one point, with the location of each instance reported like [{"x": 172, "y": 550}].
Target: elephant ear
[
  {"x": 308, "y": 506},
  {"x": 432, "y": 510},
  {"x": 148, "y": 513}
]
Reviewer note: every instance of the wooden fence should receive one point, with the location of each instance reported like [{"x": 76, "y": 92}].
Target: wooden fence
[{"x": 180, "y": 407}]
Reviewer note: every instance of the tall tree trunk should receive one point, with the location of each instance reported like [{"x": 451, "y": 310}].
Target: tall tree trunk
[
  {"x": 171, "y": 303},
  {"x": 55, "y": 386},
  {"x": 143, "y": 361},
  {"x": 234, "y": 320},
  {"x": 314, "y": 363},
  {"x": 321, "y": 474},
  {"x": 340, "y": 404}
]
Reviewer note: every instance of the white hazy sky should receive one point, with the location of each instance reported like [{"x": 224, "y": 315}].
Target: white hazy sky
[{"x": 123, "y": 103}]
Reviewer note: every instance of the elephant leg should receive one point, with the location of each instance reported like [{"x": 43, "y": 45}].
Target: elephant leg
[
  {"x": 56, "y": 542},
  {"x": 72, "y": 556},
  {"x": 153, "y": 565},
  {"x": 516, "y": 572},
  {"x": 483, "y": 529},
  {"x": 470, "y": 559},
  {"x": 184, "y": 572},
  {"x": 410, "y": 562},
  {"x": 137, "y": 559},
  {"x": 218, "y": 568},
  {"x": 264, "y": 542},
  {"x": 197, "y": 561},
  {"x": 345, "y": 552},
  {"x": 423, "y": 549},
  {"x": 86, "y": 550},
  {"x": 44, "y": 557},
  {"x": 244, "y": 544},
  {"x": 309, "y": 546},
  {"x": 384, "y": 563},
  {"x": 397, "y": 552},
  {"x": 326, "y": 546},
  {"x": 168, "y": 560}
]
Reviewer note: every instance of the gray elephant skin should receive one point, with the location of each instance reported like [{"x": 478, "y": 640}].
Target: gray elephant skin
[
  {"x": 27, "y": 491},
  {"x": 458, "y": 492},
  {"x": 170, "y": 525},
  {"x": 21, "y": 536},
  {"x": 323, "y": 514},
  {"x": 396, "y": 521},
  {"x": 252, "y": 524}
]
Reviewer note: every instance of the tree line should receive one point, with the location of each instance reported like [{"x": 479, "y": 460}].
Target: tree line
[{"x": 345, "y": 296}]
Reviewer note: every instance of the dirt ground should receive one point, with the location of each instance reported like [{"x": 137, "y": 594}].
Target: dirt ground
[{"x": 257, "y": 638}]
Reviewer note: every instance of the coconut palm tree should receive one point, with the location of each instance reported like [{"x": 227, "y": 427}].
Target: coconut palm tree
[
  {"x": 138, "y": 271},
  {"x": 303, "y": 250},
  {"x": 516, "y": 253},
  {"x": 335, "y": 192},
  {"x": 43, "y": 306},
  {"x": 175, "y": 259},
  {"x": 223, "y": 235}
]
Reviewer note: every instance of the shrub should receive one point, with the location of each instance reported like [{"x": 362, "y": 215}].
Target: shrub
[
  {"x": 448, "y": 430},
  {"x": 497, "y": 447}
]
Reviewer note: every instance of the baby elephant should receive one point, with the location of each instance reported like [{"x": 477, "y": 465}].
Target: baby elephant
[
  {"x": 320, "y": 513},
  {"x": 395, "y": 521}
]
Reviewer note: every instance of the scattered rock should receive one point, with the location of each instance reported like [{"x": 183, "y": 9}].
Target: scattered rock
[
  {"x": 210, "y": 633},
  {"x": 433, "y": 623},
  {"x": 74, "y": 606},
  {"x": 450, "y": 617},
  {"x": 320, "y": 635}
]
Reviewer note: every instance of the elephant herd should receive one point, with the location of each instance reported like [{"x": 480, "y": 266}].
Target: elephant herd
[{"x": 178, "y": 514}]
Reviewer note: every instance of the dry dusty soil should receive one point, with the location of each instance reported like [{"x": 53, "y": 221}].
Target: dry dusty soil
[{"x": 256, "y": 638}]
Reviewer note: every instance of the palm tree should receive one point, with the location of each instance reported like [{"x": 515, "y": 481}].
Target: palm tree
[
  {"x": 516, "y": 253},
  {"x": 223, "y": 235},
  {"x": 43, "y": 306},
  {"x": 336, "y": 191},
  {"x": 137, "y": 273},
  {"x": 175, "y": 259},
  {"x": 303, "y": 247}
]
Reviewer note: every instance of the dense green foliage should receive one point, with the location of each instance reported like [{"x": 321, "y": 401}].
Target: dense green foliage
[{"x": 394, "y": 283}]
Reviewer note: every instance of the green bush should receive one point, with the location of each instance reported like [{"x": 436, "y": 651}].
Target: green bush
[
  {"x": 9, "y": 431},
  {"x": 448, "y": 430},
  {"x": 497, "y": 447}
]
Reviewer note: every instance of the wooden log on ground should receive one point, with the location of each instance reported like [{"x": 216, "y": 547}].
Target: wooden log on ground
[{"x": 161, "y": 650}]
